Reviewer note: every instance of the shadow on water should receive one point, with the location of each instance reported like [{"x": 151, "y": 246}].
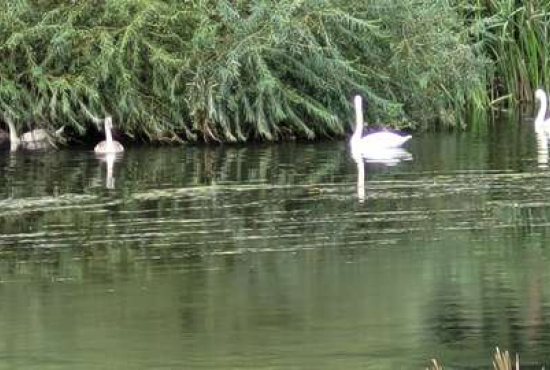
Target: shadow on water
[{"x": 273, "y": 257}]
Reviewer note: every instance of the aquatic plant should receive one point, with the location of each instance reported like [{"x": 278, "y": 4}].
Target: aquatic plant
[
  {"x": 501, "y": 361},
  {"x": 516, "y": 37}
]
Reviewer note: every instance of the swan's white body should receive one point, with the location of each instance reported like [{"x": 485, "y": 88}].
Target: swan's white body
[
  {"x": 374, "y": 142},
  {"x": 34, "y": 135},
  {"x": 108, "y": 145},
  {"x": 383, "y": 140},
  {"x": 542, "y": 124},
  {"x": 32, "y": 140}
]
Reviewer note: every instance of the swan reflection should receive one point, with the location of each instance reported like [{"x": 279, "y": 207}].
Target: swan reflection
[
  {"x": 109, "y": 159},
  {"x": 542, "y": 148},
  {"x": 386, "y": 156},
  {"x": 360, "y": 180}
]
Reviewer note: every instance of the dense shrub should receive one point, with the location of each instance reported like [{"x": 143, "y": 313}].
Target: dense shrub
[{"x": 234, "y": 70}]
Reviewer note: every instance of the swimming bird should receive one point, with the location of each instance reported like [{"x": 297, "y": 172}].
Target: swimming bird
[
  {"x": 108, "y": 145},
  {"x": 542, "y": 124},
  {"x": 375, "y": 141},
  {"x": 32, "y": 140}
]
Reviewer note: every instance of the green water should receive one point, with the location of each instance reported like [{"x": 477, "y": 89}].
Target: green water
[{"x": 265, "y": 257}]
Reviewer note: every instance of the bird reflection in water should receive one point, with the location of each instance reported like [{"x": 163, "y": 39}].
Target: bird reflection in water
[
  {"x": 383, "y": 156},
  {"x": 109, "y": 159},
  {"x": 542, "y": 148}
]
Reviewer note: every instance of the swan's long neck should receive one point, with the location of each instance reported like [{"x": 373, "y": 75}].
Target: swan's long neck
[
  {"x": 358, "y": 133},
  {"x": 13, "y": 132},
  {"x": 108, "y": 134},
  {"x": 14, "y": 140},
  {"x": 542, "y": 110}
]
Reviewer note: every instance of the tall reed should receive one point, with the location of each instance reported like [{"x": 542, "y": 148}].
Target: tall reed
[
  {"x": 501, "y": 361},
  {"x": 516, "y": 37}
]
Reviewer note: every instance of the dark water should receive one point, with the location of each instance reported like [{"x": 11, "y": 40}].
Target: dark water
[{"x": 265, "y": 257}]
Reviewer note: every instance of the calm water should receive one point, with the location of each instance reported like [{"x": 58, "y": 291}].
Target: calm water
[{"x": 265, "y": 257}]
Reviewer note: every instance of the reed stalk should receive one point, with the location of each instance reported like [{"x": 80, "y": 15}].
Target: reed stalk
[{"x": 501, "y": 361}]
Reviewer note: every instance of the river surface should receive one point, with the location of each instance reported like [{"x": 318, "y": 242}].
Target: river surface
[{"x": 277, "y": 257}]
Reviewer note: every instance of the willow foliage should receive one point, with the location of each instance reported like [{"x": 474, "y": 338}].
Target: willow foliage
[
  {"x": 433, "y": 69},
  {"x": 271, "y": 69},
  {"x": 290, "y": 67},
  {"x": 113, "y": 56},
  {"x": 233, "y": 70}
]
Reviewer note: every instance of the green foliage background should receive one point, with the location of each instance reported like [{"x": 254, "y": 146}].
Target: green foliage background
[{"x": 236, "y": 70}]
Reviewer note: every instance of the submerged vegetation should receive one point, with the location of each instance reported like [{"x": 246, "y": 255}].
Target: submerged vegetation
[{"x": 238, "y": 70}]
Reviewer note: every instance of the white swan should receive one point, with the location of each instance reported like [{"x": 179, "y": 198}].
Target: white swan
[
  {"x": 108, "y": 145},
  {"x": 32, "y": 140},
  {"x": 541, "y": 123},
  {"x": 372, "y": 142}
]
